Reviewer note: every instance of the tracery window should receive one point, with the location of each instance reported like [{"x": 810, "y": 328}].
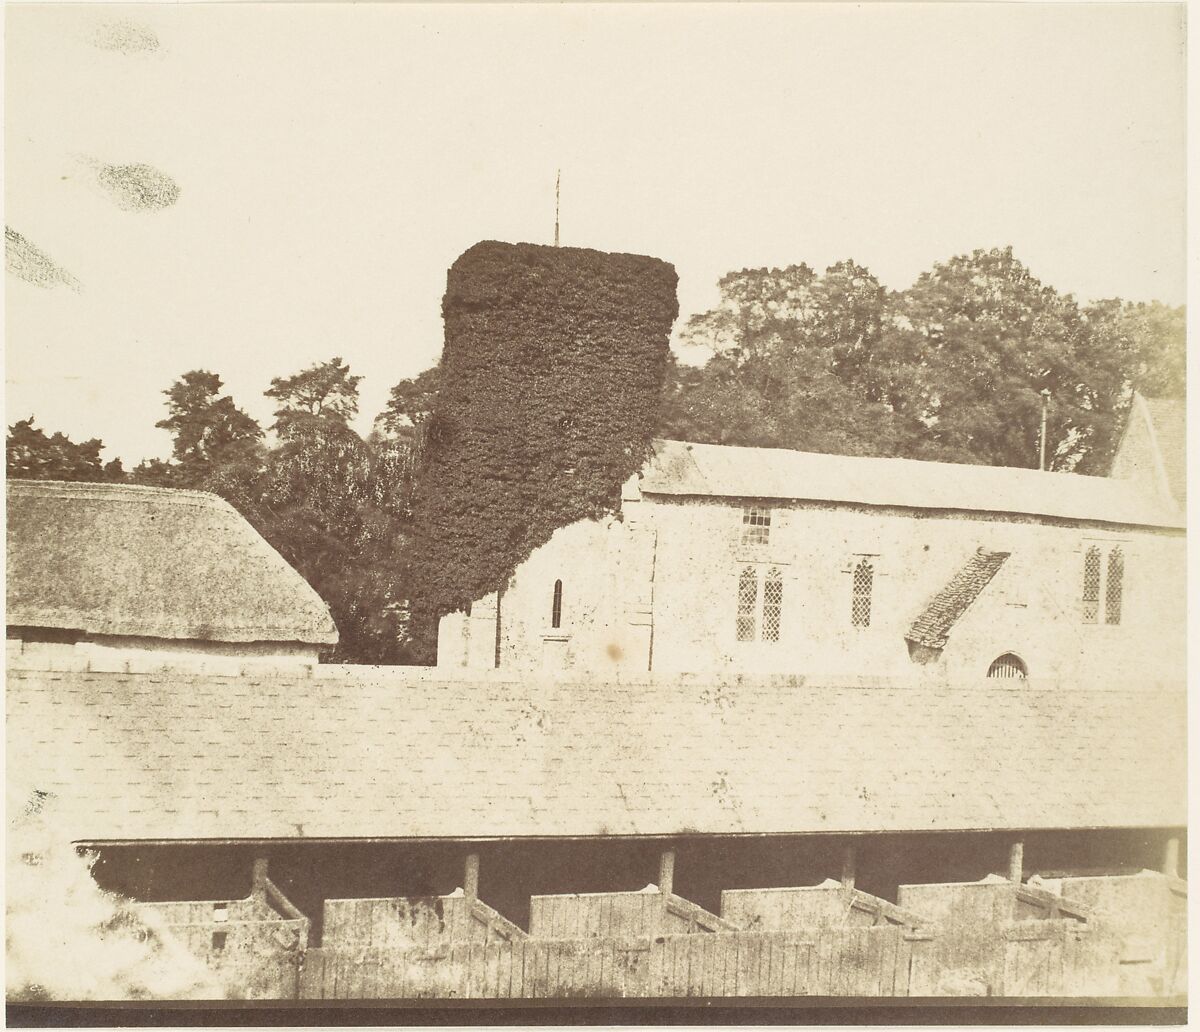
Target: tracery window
[
  {"x": 772, "y": 613},
  {"x": 1114, "y": 587},
  {"x": 1091, "y": 585},
  {"x": 1103, "y": 585},
  {"x": 747, "y": 604},
  {"x": 860, "y": 601},
  {"x": 759, "y": 612}
]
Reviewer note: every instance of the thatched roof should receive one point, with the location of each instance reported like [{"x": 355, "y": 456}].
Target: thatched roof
[
  {"x": 361, "y": 752},
  {"x": 115, "y": 559},
  {"x": 717, "y": 470}
]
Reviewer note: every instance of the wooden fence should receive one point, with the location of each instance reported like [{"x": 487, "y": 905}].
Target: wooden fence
[
  {"x": 413, "y": 922},
  {"x": 254, "y": 951},
  {"x": 1055, "y": 958}
]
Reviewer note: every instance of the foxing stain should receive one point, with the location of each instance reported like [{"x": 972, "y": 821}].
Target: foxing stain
[
  {"x": 30, "y": 263},
  {"x": 138, "y": 187},
  {"x": 125, "y": 37}
]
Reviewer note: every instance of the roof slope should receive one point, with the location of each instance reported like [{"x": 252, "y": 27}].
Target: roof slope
[
  {"x": 1168, "y": 421},
  {"x": 932, "y": 627},
  {"x": 144, "y": 561},
  {"x": 372, "y": 754},
  {"x": 680, "y": 468}
]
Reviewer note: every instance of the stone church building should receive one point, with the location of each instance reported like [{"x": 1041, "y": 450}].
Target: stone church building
[{"x": 730, "y": 560}]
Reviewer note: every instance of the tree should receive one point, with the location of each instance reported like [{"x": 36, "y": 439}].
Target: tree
[
  {"x": 951, "y": 369},
  {"x": 985, "y": 338},
  {"x": 409, "y": 406},
  {"x": 31, "y": 455},
  {"x": 324, "y": 391},
  {"x": 798, "y": 360},
  {"x": 334, "y": 506},
  {"x": 208, "y": 430},
  {"x": 1158, "y": 334},
  {"x": 1130, "y": 347}
]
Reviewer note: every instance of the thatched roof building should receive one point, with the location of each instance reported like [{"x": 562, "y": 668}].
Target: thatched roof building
[{"x": 119, "y": 564}]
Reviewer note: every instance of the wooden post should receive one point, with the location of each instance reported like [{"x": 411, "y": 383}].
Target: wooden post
[
  {"x": 1016, "y": 862},
  {"x": 1171, "y": 858},
  {"x": 666, "y": 872},
  {"x": 258, "y": 879},
  {"x": 849, "y": 858},
  {"x": 471, "y": 876}
]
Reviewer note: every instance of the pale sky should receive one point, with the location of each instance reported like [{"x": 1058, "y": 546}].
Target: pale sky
[{"x": 333, "y": 160}]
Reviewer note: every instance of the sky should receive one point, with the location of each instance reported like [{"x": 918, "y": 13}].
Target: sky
[{"x": 252, "y": 188}]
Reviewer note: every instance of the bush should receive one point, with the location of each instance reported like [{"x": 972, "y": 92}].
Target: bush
[{"x": 68, "y": 939}]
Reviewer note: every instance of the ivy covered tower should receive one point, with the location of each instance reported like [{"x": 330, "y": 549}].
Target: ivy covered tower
[{"x": 551, "y": 377}]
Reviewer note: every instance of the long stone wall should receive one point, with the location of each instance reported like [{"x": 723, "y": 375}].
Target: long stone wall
[{"x": 686, "y": 621}]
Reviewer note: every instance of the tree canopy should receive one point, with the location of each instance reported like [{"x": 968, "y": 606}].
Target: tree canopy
[
  {"x": 409, "y": 406},
  {"x": 333, "y": 505},
  {"x": 953, "y": 369},
  {"x": 324, "y": 391},
  {"x": 208, "y": 430},
  {"x": 556, "y": 374},
  {"x": 32, "y": 455}
]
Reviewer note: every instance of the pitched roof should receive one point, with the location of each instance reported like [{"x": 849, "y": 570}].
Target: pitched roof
[
  {"x": 680, "y": 468},
  {"x": 1168, "y": 421},
  {"x": 385, "y": 754},
  {"x": 932, "y": 627},
  {"x": 150, "y": 562}
]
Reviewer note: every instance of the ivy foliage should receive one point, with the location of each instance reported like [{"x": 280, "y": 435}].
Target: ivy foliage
[{"x": 549, "y": 388}]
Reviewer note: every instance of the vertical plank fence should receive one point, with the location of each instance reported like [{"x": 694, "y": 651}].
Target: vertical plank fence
[
  {"x": 830, "y": 962},
  {"x": 1027, "y": 959}
]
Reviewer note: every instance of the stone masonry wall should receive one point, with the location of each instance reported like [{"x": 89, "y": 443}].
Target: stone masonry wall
[{"x": 690, "y": 576}]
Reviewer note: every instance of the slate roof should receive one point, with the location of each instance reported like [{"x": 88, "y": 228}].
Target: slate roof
[
  {"x": 932, "y": 627},
  {"x": 677, "y": 468},
  {"x": 370, "y": 754},
  {"x": 1168, "y": 421},
  {"x": 118, "y": 559}
]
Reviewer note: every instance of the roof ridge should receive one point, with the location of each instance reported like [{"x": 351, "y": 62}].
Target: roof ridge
[
  {"x": 682, "y": 469},
  {"x": 840, "y": 456},
  {"x": 122, "y": 492}
]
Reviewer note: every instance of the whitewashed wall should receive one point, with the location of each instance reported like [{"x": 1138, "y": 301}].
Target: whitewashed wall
[
  {"x": 150, "y": 655},
  {"x": 682, "y": 558}
]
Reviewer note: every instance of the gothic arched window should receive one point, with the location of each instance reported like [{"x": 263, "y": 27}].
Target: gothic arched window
[
  {"x": 747, "y": 604},
  {"x": 556, "y": 605},
  {"x": 772, "y": 613},
  {"x": 860, "y": 602},
  {"x": 1114, "y": 587},
  {"x": 1091, "y": 585}
]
